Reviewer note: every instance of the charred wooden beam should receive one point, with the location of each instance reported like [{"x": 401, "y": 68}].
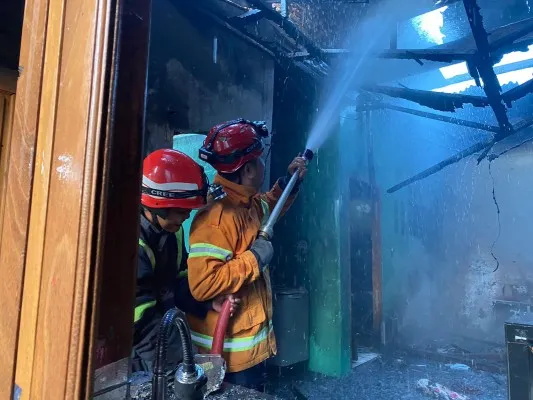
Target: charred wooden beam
[
  {"x": 508, "y": 35},
  {"x": 290, "y": 29},
  {"x": 483, "y": 67},
  {"x": 237, "y": 5},
  {"x": 484, "y": 146},
  {"x": 437, "y": 55},
  {"x": 518, "y": 92},
  {"x": 248, "y": 17},
  {"x": 443, "y": 164},
  {"x": 435, "y": 100},
  {"x": 299, "y": 55},
  {"x": 236, "y": 30},
  {"x": 442, "y": 3},
  {"x": 523, "y": 124},
  {"x": 492, "y": 157},
  {"x": 439, "y": 117},
  {"x": 512, "y": 37}
]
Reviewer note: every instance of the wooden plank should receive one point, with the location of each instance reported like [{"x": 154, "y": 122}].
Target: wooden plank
[
  {"x": 41, "y": 182},
  {"x": 19, "y": 178},
  {"x": 81, "y": 30},
  {"x": 92, "y": 101}
]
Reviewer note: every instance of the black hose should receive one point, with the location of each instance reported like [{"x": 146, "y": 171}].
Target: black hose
[
  {"x": 186, "y": 344},
  {"x": 159, "y": 379},
  {"x": 162, "y": 342}
]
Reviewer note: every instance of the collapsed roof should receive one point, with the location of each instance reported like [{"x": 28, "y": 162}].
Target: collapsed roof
[{"x": 266, "y": 26}]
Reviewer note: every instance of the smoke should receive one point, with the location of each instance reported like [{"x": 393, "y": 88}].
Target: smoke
[{"x": 369, "y": 36}]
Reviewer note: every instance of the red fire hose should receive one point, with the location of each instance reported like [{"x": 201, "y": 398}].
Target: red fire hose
[{"x": 220, "y": 328}]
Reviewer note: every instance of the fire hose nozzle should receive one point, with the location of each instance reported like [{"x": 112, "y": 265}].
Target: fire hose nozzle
[
  {"x": 308, "y": 154},
  {"x": 267, "y": 230}
]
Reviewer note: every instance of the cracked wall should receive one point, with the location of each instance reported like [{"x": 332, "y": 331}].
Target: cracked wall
[{"x": 438, "y": 233}]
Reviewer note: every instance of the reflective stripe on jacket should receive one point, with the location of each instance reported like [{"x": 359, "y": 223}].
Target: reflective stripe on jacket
[
  {"x": 151, "y": 255},
  {"x": 220, "y": 263}
]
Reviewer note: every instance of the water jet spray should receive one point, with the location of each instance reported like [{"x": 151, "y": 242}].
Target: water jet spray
[{"x": 267, "y": 230}]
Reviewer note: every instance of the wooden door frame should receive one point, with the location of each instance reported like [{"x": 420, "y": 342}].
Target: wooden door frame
[
  {"x": 7, "y": 112},
  {"x": 74, "y": 175}
]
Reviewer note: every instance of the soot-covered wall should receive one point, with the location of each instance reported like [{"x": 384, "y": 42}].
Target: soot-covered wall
[
  {"x": 200, "y": 75},
  {"x": 439, "y": 276}
]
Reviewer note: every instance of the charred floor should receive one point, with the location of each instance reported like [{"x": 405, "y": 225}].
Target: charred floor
[{"x": 406, "y": 377}]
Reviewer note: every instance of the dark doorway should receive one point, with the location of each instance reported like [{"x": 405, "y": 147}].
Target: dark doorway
[{"x": 361, "y": 217}]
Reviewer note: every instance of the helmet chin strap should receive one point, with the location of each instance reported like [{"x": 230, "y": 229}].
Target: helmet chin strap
[
  {"x": 154, "y": 215},
  {"x": 155, "y": 221}
]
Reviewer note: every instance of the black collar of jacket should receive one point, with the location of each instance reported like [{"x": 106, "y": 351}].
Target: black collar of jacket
[
  {"x": 155, "y": 237},
  {"x": 148, "y": 226}
]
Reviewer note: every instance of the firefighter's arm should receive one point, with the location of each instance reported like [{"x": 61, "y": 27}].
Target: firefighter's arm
[
  {"x": 145, "y": 296},
  {"x": 183, "y": 296},
  {"x": 272, "y": 197},
  {"x": 214, "y": 269},
  {"x": 187, "y": 303},
  {"x": 298, "y": 165}
]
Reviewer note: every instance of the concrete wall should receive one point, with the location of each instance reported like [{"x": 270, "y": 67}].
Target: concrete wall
[{"x": 194, "y": 83}]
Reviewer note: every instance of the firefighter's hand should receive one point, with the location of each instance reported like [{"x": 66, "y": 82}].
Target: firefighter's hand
[
  {"x": 219, "y": 300},
  {"x": 298, "y": 164},
  {"x": 263, "y": 251}
]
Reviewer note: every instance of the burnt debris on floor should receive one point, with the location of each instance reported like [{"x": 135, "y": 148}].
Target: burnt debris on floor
[{"x": 397, "y": 379}]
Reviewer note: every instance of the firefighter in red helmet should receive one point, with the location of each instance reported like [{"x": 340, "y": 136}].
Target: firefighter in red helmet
[
  {"x": 226, "y": 257},
  {"x": 173, "y": 184}
]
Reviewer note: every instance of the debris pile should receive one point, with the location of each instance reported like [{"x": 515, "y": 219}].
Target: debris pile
[{"x": 438, "y": 391}]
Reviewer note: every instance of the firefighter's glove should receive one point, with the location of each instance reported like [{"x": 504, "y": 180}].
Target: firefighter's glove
[{"x": 263, "y": 251}]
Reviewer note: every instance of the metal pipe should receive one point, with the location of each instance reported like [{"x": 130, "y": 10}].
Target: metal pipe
[{"x": 267, "y": 231}]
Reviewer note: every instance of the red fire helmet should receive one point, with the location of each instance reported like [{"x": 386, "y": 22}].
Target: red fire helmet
[
  {"x": 230, "y": 145},
  {"x": 172, "y": 179}
]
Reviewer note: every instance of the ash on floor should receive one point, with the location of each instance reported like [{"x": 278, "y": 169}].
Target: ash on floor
[{"x": 394, "y": 380}]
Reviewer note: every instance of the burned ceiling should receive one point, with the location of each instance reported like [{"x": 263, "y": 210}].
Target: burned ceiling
[{"x": 310, "y": 39}]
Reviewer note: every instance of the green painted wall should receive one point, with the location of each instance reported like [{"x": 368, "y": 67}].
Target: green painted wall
[
  {"x": 190, "y": 144},
  {"x": 309, "y": 249}
]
